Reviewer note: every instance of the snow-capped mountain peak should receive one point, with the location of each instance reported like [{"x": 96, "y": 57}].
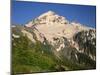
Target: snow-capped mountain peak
[
  {"x": 48, "y": 18},
  {"x": 52, "y": 25}
]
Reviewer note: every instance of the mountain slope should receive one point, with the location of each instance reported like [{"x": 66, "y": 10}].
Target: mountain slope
[{"x": 52, "y": 43}]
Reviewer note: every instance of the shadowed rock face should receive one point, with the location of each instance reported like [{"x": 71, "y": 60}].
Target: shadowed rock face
[
  {"x": 87, "y": 42},
  {"x": 72, "y": 45}
]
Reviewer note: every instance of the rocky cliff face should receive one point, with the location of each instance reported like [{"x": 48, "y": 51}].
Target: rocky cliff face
[
  {"x": 87, "y": 43},
  {"x": 70, "y": 43}
]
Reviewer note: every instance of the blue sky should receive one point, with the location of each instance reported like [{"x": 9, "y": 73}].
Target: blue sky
[{"x": 22, "y": 12}]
